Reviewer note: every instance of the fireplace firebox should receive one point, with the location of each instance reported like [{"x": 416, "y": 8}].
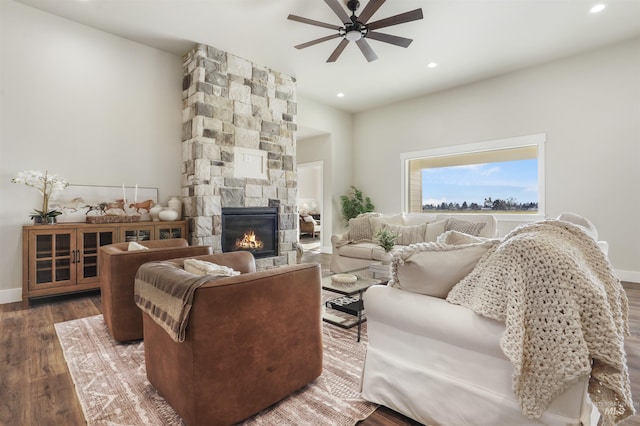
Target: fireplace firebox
[{"x": 252, "y": 229}]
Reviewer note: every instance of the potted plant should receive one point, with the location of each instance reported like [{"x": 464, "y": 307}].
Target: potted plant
[
  {"x": 386, "y": 240},
  {"x": 46, "y": 184},
  {"x": 355, "y": 204}
]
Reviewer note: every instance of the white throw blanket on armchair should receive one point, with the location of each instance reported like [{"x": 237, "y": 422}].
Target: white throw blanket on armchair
[{"x": 563, "y": 307}]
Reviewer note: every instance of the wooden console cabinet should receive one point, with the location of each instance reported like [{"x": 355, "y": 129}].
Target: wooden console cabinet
[{"x": 63, "y": 258}]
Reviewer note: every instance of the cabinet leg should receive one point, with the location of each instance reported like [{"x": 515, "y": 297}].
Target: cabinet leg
[{"x": 25, "y": 303}]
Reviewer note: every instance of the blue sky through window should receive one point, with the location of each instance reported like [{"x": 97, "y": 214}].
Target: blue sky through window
[{"x": 475, "y": 182}]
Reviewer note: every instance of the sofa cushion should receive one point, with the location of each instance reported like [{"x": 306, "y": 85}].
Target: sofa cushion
[
  {"x": 468, "y": 227},
  {"x": 406, "y": 234},
  {"x": 432, "y": 268},
  {"x": 434, "y": 229},
  {"x": 377, "y": 221},
  {"x": 457, "y": 238},
  {"x": 360, "y": 229},
  {"x": 361, "y": 251}
]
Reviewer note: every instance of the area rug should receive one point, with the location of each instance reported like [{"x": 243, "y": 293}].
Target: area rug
[{"x": 112, "y": 386}]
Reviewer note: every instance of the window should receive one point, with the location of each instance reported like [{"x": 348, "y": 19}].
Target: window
[{"x": 503, "y": 176}]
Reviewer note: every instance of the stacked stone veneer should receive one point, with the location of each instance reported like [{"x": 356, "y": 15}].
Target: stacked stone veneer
[{"x": 230, "y": 102}]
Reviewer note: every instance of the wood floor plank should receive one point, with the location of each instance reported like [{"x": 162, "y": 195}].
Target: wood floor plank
[{"x": 37, "y": 389}]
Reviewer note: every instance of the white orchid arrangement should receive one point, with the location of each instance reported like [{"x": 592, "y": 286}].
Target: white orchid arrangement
[{"x": 46, "y": 184}]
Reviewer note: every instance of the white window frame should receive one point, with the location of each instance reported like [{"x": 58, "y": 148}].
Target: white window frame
[{"x": 538, "y": 140}]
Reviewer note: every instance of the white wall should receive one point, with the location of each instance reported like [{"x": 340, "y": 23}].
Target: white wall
[
  {"x": 589, "y": 107},
  {"x": 92, "y": 107},
  {"x": 333, "y": 148},
  {"x": 310, "y": 183}
]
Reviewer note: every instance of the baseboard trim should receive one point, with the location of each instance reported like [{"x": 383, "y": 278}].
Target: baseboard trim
[
  {"x": 11, "y": 295},
  {"x": 628, "y": 276}
]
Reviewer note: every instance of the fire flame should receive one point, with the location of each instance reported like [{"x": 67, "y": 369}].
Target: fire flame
[{"x": 249, "y": 241}]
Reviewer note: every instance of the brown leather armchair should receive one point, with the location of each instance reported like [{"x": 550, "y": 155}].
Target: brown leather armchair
[
  {"x": 117, "y": 271},
  {"x": 250, "y": 341}
]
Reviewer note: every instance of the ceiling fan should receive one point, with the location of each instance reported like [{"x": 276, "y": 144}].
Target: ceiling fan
[{"x": 357, "y": 29}]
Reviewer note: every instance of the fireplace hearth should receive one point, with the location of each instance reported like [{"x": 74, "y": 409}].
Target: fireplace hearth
[{"x": 252, "y": 229}]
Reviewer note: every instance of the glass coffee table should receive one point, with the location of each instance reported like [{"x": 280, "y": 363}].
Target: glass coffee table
[{"x": 350, "y": 302}]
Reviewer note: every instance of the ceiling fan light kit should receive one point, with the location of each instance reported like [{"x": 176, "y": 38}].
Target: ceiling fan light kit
[{"x": 358, "y": 29}]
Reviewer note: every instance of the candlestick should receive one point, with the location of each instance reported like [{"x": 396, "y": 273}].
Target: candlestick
[
  {"x": 124, "y": 196},
  {"x": 135, "y": 195}
]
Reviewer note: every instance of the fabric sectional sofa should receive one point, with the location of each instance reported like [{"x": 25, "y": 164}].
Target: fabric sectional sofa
[
  {"x": 481, "y": 331},
  {"x": 357, "y": 247}
]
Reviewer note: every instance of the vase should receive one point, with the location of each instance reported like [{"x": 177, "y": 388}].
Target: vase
[
  {"x": 176, "y": 204},
  {"x": 386, "y": 258},
  {"x": 168, "y": 214},
  {"x": 155, "y": 211}
]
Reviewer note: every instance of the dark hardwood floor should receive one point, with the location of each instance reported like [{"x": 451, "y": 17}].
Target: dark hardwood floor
[{"x": 36, "y": 388}]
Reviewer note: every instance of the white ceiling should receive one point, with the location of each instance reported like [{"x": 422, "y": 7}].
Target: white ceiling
[{"x": 469, "y": 39}]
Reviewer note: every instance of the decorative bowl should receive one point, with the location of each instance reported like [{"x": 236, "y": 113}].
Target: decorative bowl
[
  {"x": 344, "y": 278},
  {"x": 168, "y": 215}
]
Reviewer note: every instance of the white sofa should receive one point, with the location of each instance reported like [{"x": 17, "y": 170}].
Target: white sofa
[
  {"x": 442, "y": 364},
  {"x": 355, "y": 250}
]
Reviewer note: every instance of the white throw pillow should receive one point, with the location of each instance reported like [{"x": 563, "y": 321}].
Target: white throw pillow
[
  {"x": 432, "y": 268},
  {"x": 309, "y": 219},
  {"x": 201, "y": 267},
  {"x": 582, "y": 222},
  {"x": 360, "y": 229},
  {"x": 376, "y": 222},
  {"x": 434, "y": 229},
  {"x": 457, "y": 238},
  {"x": 466, "y": 226},
  {"x": 406, "y": 234},
  {"x": 133, "y": 246}
]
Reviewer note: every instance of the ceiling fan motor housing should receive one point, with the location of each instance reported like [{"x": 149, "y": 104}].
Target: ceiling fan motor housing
[{"x": 353, "y": 5}]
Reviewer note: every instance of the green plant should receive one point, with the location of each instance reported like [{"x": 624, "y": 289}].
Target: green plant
[
  {"x": 386, "y": 239},
  {"x": 355, "y": 204}
]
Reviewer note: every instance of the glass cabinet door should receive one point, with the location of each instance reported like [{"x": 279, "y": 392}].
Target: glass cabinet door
[
  {"x": 54, "y": 253},
  {"x": 136, "y": 233},
  {"x": 168, "y": 232},
  {"x": 89, "y": 243}
]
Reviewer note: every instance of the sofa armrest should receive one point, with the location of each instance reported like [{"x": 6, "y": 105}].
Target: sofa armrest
[{"x": 338, "y": 237}]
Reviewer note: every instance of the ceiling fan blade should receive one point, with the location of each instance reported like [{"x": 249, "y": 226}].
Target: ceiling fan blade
[
  {"x": 413, "y": 15},
  {"x": 366, "y": 50},
  {"x": 338, "y": 10},
  {"x": 388, "y": 38},
  {"x": 316, "y": 41},
  {"x": 313, "y": 22},
  {"x": 338, "y": 51},
  {"x": 368, "y": 11}
]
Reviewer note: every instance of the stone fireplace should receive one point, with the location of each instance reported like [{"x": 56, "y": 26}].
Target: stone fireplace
[{"x": 238, "y": 147}]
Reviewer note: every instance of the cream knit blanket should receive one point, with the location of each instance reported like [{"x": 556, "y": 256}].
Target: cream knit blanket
[{"x": 565, "y": 314}]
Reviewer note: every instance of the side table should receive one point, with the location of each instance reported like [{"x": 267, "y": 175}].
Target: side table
[{"x": 351, "y": 300}]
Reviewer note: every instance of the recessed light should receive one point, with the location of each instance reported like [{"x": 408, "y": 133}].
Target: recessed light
[
  {"x": 340, "y": 95},
  {"x": 432, "y": 65},
  {"x": 597, "y": 8}
]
